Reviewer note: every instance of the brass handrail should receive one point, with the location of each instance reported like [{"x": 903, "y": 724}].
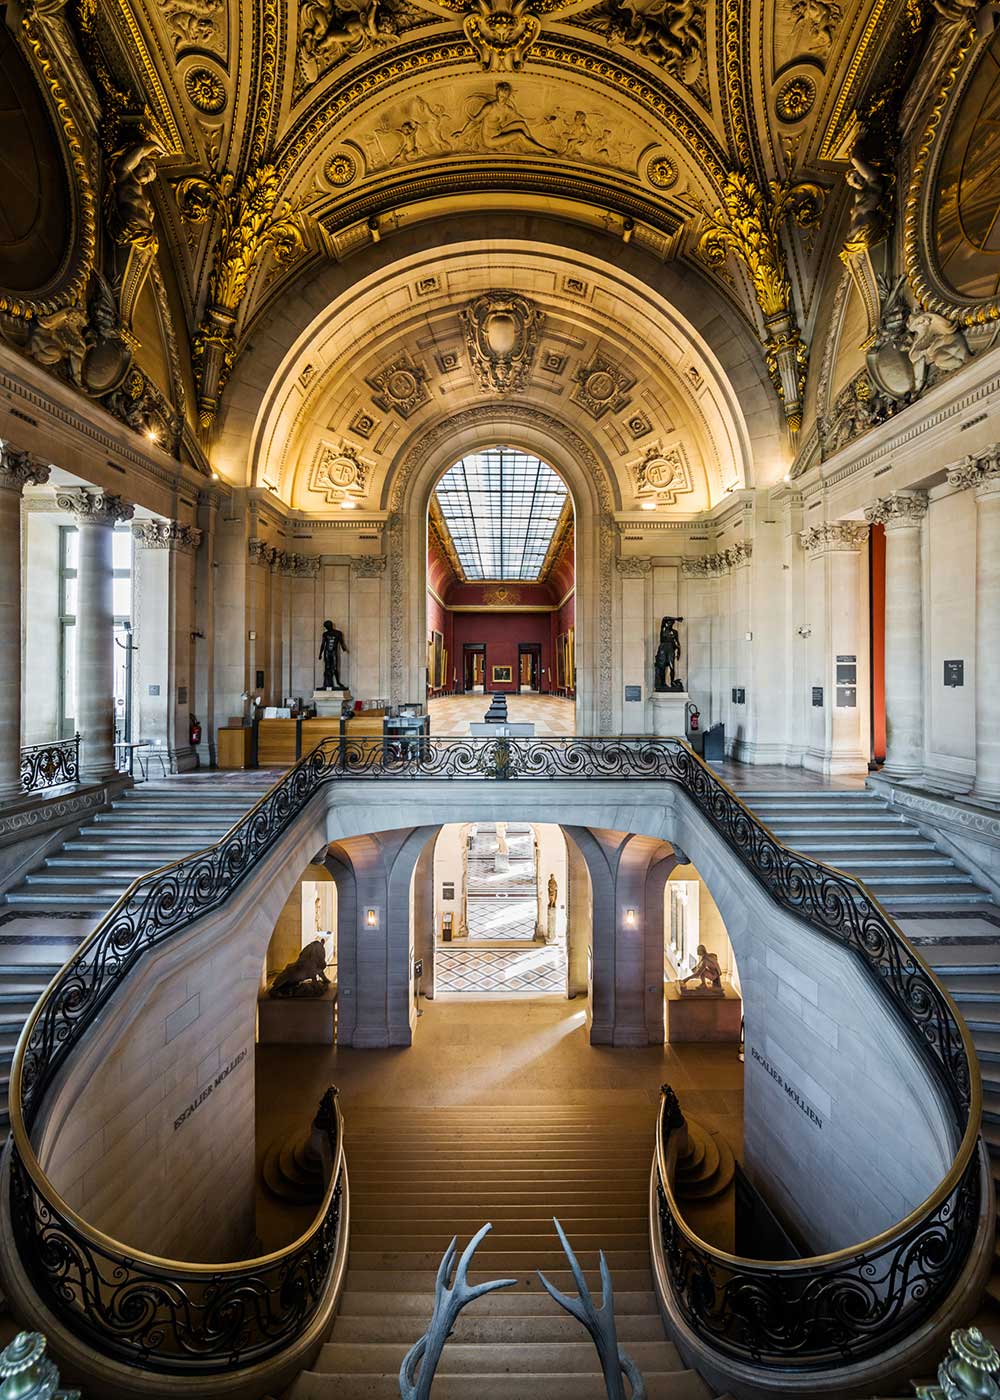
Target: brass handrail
[{"x": 229, "y": 860}]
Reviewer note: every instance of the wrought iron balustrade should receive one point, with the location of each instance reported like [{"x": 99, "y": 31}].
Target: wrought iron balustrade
[
  {"x": 50, "y": 765},
  {"x": 68, "y": 1259}
]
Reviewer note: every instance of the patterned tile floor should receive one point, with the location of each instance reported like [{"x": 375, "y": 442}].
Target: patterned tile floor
[
  {"x": 452, "y": 714},
  {"x": 536, "y": 971},
  {"x": 501, "y": 920}
]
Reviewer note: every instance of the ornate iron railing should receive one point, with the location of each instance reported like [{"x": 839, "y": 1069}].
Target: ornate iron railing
[
  {"x": 54, "y": 1241},
  {"x": 814, "y": 1313},
  {"x": 50, "y": 765}
]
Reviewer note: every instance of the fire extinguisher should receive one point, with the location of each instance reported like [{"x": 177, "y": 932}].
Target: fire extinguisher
[
  {"x": 694, "y": 715},
  {"x": 195, "y": 730}
]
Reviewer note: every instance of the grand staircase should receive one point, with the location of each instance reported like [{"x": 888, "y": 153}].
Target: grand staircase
[
  {"x": 419, "y": 1176},
  {"x": 860, "y": 834},
  {"x": 44, "y": 919}
]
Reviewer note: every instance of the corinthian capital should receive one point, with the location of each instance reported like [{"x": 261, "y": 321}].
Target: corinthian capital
[
  {"x": 632, "y": 567},
  {"x": 981, "y": 472},
  {"x": 834, "y": 537},
  {"x": 17, "y": 470},
  {"x": 901, "y": 510},
  {"x": 167, "y": 534},
  {"x": 90, "y": 506}
]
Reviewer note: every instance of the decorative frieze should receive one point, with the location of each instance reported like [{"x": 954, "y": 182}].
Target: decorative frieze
[
  {"x": 91, "y": 506},
  {"x": 901, "y": 510},
  {"x": 280, "y": 561},
  {"x": 633, "y": 567},
  {"x": 17, "y": 470},
  {"x": 834, "y": 537},
  {"x": 166, "y": 534},
  {"x": 736, "y": 556},
  {"x": 980, "y": 472},
  {"x": 368, "y": 565}
]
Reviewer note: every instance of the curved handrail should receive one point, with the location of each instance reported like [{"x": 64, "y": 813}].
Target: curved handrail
[{"x": 164, "y": 902}]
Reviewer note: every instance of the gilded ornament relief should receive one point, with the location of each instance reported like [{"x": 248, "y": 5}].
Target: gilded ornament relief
[
  {"x": 661, "y": 475},
  {"x": 195, "y": 23},
  {"x": 501, "y": 334},
  {"x": 500, "y": 121},
  {"x": 671, "y": 33},
  {"x": 401, "y": 386},
  {"x": 602, "y": 387},
  {"x": 816, "y": 21},
  {"x": 330, "y": 30}
]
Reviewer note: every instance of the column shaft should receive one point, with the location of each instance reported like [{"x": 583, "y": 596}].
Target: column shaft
[
  {"x": 95, "y": 515},
  {"x": 987, "y": 784},
  {"x": 904, "y": 625},
  {"x": 16, "y": 469}
]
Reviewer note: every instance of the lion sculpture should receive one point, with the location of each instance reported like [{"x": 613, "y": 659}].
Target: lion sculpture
[{"x": 306, "y": 976}]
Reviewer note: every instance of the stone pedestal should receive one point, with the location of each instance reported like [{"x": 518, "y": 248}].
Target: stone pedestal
[
  {"x": 902, "y": 515},
  {"x": 670, "y": 713},
  {"x": 692, "y": 1017},
  {"x": 297, "y": 1020},
  {"x": 330, "y": 703}
]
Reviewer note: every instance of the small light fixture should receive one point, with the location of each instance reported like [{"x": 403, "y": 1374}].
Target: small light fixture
[
  {"x": 347, "y": 504},
  {"x": 215, "y": 476},
  {"x": 152, "y": 435},
  {"x": 630, "y": 918},
  {"x": 371, "y": 917},
  {"x": 649, "y": 505}
]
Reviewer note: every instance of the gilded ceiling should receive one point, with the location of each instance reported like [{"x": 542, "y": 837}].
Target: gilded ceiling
[{"x": 219, "y": 154}]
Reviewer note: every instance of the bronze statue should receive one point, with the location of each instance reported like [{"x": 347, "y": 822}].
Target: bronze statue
[
  {"x": 553, "y": 891},
  {"x": 667, "y": 654},
  {"x": 330, "y": 646},
  {"x": 708, "y": 969},
  {"x": 305, "y": 976}
]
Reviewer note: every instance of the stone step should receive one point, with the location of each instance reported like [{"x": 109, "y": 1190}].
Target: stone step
[
  {"x": 471, "y": 1328},
  {"x": 904, "y": 861},
  {"x": 498, "y": 1262},
  {"x": 848, "y": 849},
  {"x": 530, "y": 1242},
  {"x": 517, "y": 1219},
  {"x": 555, "y": 1202},
  {"x": 667, "y": 1385},
  {"x": 506, "y": 1302},
  {"x": 915, "y": 879},
  {"x": 89, "y": 900},
  {"x": 462, "y": 1359},
  {"x": 381, "y": 1280}
]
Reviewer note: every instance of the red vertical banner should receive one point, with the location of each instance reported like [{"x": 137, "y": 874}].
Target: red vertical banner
[{"x": 876, "y": 594}]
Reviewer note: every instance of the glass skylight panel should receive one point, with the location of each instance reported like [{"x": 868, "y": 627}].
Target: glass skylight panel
[{"x": 501, "y": 508}]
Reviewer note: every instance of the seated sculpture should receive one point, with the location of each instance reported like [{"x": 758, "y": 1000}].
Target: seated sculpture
[
  {"x": 305, "y": 976},
  {"x": 708, "y": 969}
]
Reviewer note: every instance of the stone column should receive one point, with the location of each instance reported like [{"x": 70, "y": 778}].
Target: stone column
[
  {"x": 903, "y": 515},
  {"x": 982, "y": 473},
  {"x": 837, "y": 589},
  {"x": 96, "y": 515},
  {"x": 164, "y": 594},
  {"x": 16, "y": 471}
]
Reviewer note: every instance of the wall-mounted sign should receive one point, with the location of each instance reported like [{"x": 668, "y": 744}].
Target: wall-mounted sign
[
  {"x": 633, "y": 692},
  {"x": 154, "y": 690},
  {"x": 954, "y": 673},
  {"x": 847, "y": 683},
  {"x": 739, "y": 695},
  {"x": 418, "y": 968},
  {"x": 818, "y": 696},
  {"x": 182, "y": 695},
  {"x": 847, "y": 697},
  {"x": 260, "y": 680},
  {"x": 789, "y": 1089}
]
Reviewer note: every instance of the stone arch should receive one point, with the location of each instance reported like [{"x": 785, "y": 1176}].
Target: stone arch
[
  {"x": 722, "y": 336},
  {"x": 591, "y": 486}
]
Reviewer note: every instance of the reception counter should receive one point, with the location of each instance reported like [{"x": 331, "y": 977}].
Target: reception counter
[{"x": 280, "y": 743}]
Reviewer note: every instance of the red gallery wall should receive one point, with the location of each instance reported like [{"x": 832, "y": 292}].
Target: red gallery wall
[{"x": 500, "y": 631}]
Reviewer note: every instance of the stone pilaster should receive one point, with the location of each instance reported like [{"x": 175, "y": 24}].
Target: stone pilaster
[
  {"x": 903, "y": 517},
  {"x": 16, "y": 471},
  {"x": 164, "y": 614},
  {"x": 837, "y": 736},
  {"x": 981, "y": 473},
  {"x": 96, "y": 513}
]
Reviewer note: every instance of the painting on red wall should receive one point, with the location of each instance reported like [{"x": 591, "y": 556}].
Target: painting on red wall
[{"x": 503, "y": 675}]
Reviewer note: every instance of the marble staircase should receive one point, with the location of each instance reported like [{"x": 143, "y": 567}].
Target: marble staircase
[
  {"x": 950, "y": 918},
  {"x": 420, "y": 1176},
  {"x": 45, "y": 918}
]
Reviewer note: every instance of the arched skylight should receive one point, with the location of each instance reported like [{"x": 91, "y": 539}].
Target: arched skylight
[{"x": 501, "y": 508}]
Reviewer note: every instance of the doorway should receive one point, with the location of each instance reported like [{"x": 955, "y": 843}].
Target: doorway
[
  {"x": 474, "y": 668},
  {"x": 529, "y": 667}
]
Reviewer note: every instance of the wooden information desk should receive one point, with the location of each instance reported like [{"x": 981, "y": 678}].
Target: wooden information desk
[{"x": 280, "y": 743}]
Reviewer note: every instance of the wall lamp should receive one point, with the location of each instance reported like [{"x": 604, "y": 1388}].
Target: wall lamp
[
  {"x": 805, "y": 630},
  {"x": 630, "y": 918},
  {"x": 371, "y": 917}
]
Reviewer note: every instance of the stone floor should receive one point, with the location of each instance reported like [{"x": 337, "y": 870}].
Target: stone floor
[
  {"x": 452, "y": 714},
  {"x": 496, "y": 1053}
]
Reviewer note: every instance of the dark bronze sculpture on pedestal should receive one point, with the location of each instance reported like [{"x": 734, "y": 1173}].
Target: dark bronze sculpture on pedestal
[
  {"x": 330, "y": 646},
  {"x": 667, "y": 654}
]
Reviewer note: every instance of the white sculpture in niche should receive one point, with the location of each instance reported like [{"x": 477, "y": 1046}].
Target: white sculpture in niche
[
  {"x": 501, "y": 332},
  {"x": 338, "y": 473}
]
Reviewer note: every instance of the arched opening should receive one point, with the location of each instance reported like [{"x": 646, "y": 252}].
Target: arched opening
[{"x": 501, "y": 595}]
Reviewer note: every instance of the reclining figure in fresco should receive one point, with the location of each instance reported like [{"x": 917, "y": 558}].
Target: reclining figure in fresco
[{"x": 306, "y": 976}]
